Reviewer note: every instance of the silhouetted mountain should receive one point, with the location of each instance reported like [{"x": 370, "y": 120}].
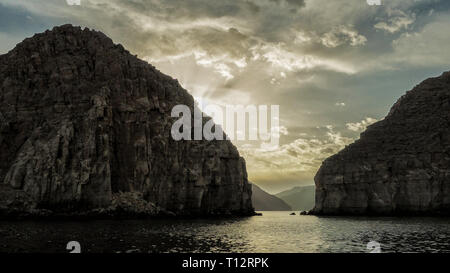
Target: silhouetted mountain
[
  {"x": 265, "y": 201},
  {"x": 299, "y": 198},
  {"x": 400, "y": 165},
  {"x": 86, "y": 126}
]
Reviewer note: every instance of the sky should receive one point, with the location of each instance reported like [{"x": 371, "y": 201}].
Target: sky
[{"x": 333, "y": 67}]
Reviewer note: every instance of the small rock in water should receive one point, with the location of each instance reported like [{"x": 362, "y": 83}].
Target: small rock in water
[{"x": 133, "y": 251}]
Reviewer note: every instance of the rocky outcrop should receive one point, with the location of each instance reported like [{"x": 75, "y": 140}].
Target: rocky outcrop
[
  {"x": 400, "y": 165},
  {"x": 83, "y": 122}
]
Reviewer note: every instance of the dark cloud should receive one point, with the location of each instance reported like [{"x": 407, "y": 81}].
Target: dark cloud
[
  {"x": 295, "y": 3},
  {"x": 177, "y": 10}
]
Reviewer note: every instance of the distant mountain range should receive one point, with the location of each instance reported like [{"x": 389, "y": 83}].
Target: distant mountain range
[
  {"x": 299, "y": 198},
  {"x": 263, "y": 201}
]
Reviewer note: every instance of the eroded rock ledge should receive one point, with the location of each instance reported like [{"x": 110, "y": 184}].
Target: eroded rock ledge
[
  {"x": 400, "y": 165},
  {"x": 84, "y": 124}
]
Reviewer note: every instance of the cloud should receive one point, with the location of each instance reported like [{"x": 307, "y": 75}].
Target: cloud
[
  {"x": 425, "y": 47},
  {"x": 281, "y": 58},
  {"x": 341, "y": 35},
  {"x": 397, "y": 21},
  {"x": 360, "y": 126},
  {"x": 296, "y": 160},
  {"x": 293, "y": 3}
]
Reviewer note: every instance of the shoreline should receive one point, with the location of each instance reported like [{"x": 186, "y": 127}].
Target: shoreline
[{"x": 94, "y": 215}]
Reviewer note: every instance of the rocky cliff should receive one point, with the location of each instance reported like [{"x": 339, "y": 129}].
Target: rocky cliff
[
  {"x": 86, "y": 126},
  {"x": 400, "y": 165}
]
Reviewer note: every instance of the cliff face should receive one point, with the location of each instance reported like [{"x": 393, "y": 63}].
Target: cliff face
[
  {"x": 400, "y": 165},
  {"x": 84, "y": 124}
]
